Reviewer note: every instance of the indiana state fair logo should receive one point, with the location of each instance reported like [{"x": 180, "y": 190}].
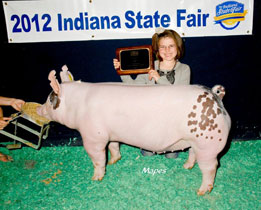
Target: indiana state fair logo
[{"x": 229, "y": 14}]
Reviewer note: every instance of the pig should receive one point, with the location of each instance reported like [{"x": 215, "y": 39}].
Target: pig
[{"x": 157, "y": 118}]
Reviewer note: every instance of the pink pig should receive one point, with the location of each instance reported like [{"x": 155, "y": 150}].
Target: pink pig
[{"x": 155, "y": 118}]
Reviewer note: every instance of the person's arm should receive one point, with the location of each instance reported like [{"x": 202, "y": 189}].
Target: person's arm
[
  {"x": 163, "y": 81},
  {"x": 4, "y": 101},
  {"x": 15, "y": 103},
  {"x": 124, "y": 78},
  {"x": 184, "y": 78},
  {"x": 153, "y": 74}
]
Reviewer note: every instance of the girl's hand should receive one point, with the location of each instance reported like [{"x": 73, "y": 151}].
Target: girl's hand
[
  {"x": 116, "y": 63},
  {"x": 153, "y": 74}
]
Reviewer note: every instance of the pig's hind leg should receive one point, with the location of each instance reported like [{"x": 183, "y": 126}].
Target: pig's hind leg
[
  {"x": 114, "y": 149},
  {"x": 208, "y": 168}
]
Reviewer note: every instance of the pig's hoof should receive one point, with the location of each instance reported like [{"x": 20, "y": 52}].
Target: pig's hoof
[
  {"x": 203, "y": 191},
  {"x": 114, "y": 160},
  {"x": 98, "y": 175},
  {"x": 188, "y": 165},
  {"x": 97, "y": 178}
]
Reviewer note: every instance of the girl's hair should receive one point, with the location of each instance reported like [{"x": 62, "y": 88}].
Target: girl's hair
[{"x": 168, "y": 33}]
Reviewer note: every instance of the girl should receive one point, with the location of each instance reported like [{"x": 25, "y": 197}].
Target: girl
[{"x": 168, "y": 48}]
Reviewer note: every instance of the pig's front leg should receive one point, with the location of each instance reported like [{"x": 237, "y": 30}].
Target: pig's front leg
[
  {"x": 208, "y": 168},
  {"x": 114, "y": 149},
  {"x": 96, "y": 151}
]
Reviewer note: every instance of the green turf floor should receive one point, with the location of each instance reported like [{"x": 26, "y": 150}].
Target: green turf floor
[{"x": 56, "y": 178}]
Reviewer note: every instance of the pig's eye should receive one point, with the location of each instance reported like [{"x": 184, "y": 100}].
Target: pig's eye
[{"x": 54, "y": 99}]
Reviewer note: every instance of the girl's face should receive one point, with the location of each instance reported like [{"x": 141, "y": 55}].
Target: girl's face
[{"x": 167, "y": 49}]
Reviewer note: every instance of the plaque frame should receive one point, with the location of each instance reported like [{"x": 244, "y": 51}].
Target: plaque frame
[{"x": 127, "y": 71}]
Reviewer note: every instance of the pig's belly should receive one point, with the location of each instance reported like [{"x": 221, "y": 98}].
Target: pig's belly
[
  {"x": 157, "y": 144},
  {"x": 152, "y": 133}
]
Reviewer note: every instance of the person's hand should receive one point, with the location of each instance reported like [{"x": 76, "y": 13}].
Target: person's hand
[
  {"x": 116, "y": 63},
  {"x": 153, "y": 74},
  {"x": 4, "y": 122},
  {"x": 17, "y": 104}
]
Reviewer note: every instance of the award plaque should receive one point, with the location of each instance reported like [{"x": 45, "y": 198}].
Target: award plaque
[{"x": 135, "y": 60}]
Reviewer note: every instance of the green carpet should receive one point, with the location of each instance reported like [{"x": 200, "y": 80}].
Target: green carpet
[{"x": 56, "y": 178}]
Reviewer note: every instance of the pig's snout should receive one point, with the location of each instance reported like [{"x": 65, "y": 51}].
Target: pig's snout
[{"x": 40, "y": 110}]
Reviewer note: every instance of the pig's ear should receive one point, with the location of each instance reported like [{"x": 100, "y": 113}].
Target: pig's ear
[
  {"x": 54, "y": 82},
  {"x": 66, "y": 75}
]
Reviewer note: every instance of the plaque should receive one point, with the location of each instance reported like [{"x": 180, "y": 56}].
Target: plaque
[{"x": 135, "y": 60}]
